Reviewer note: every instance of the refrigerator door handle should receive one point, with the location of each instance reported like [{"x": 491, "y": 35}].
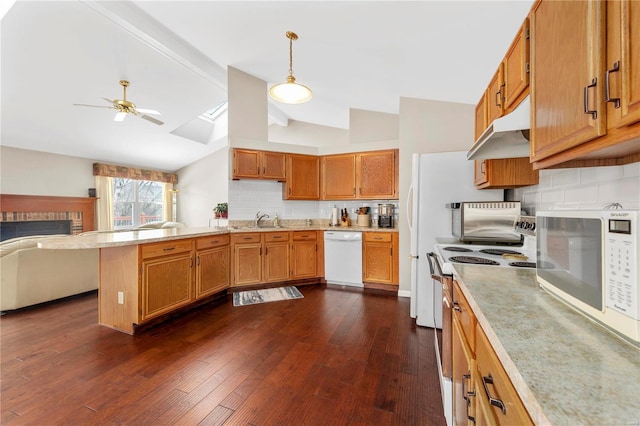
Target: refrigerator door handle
[{"x": 408, "y": 210}]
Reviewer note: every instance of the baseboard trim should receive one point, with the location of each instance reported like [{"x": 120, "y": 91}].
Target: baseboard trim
[{"x": 404, "y": 293}]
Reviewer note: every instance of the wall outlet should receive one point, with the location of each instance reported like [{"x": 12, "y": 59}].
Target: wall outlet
[{"x": 121, "y": 298}]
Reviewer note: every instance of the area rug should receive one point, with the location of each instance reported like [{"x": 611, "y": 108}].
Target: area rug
[{"x": 253, "y": 297}]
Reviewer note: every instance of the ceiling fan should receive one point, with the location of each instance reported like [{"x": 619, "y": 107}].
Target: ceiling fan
[{"x": 124, "y": 107}]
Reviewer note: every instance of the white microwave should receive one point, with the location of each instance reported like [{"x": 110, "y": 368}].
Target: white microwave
[{"x": 589, "y": 260}]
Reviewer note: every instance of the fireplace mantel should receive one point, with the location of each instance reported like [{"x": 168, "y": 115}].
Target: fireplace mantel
[{"x": 45, "y": 203}]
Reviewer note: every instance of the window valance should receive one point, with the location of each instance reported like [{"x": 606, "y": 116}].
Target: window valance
[{"x": 110, "y": 170}]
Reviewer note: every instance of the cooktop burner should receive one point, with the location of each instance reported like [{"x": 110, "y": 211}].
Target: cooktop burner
[
  {"x": 474, "y": 260},
  {"x": 458, "y": 249},
  {"x": 499, "y": 252},
  {"x": 523, "y": 264}
]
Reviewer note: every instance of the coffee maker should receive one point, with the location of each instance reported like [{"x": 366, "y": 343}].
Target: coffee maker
[{"x": 385, "y": 215}]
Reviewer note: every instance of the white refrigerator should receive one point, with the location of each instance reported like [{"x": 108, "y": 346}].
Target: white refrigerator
[{"x": 436, "y": 179}]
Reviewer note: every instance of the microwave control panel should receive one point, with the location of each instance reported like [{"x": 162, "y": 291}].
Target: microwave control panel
[{"x": 621, "y": 262}]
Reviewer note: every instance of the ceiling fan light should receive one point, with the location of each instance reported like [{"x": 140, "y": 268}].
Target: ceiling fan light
[{"x": 290, "y": 92}]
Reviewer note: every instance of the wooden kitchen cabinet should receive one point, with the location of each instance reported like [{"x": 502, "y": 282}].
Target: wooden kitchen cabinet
[
  {"x": 516, "y": 70},
  {"x": 303, "y": 177},
  {"x": 253, "y": 164},
  {"x": 481, "y": 122},
  {"x": 480, "y": 382},
  {"x": 276, "y": 256},
  {"x": 166, "y": 279},
  {"x": 380, "y": 257},
  {"x": 504, "y": 173},
  {"x": 495, "y": 95},
  {"x": 212, "y": 265},
  {"x": 247, "y": 259},
  {"x": 573, "y": 124},
  {"x": 339, "y": 177},
  {"x": 377, "y": 175},
  {"x": 304, "y": 254},
  {"x": 371, "y": 175}
]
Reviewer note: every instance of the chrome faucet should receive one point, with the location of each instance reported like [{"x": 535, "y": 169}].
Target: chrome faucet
[{"x": 259, "y": 217}]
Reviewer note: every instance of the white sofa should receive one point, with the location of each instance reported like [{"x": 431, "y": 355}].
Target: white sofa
[{"x": 30, "y": 275}]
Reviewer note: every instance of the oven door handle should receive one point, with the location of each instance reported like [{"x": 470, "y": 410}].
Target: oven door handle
[{"x": 433, "y": 260}]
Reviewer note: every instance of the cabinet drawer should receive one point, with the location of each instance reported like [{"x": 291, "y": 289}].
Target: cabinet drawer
[
  {"x": 166, "y": 248},
  {"x": 494, "y": 383},
  {"x": 245, "y": 238},
  {"x": 465, "y": 316},
  {"x": 378, "y": 237},
  {"x": 275, "y": 236},
  {"x": 212, "y": 241},
  {"x": 304, "y": 236}
]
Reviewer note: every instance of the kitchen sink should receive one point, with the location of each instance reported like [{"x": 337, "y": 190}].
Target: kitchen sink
[{"x": 257, "y": 227}]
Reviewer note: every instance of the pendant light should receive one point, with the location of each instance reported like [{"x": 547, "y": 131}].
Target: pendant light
[{"x": 290, "y": 92}]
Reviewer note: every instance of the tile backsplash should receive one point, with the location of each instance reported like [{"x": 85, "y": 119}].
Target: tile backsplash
[
  {"x": 583, "y": 188},
  {"x": 247, "y": 197}
]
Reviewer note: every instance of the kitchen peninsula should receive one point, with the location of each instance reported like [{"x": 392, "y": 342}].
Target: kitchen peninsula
[{"x": 146, "y": 274}]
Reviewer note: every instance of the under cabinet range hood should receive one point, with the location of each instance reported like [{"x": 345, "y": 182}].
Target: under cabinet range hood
[{"x": 506, "y": 137}]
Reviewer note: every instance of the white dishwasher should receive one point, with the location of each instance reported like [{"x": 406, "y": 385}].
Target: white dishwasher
[{"x": 343, "y": 258}]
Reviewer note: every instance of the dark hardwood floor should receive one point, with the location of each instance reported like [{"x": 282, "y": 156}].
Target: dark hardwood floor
[{"x": 336, "y": 357}]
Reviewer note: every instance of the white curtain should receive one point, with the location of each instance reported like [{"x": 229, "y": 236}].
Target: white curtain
[
  {"x": 104, "y": 205},
  {"x": 167, "y": 203}
]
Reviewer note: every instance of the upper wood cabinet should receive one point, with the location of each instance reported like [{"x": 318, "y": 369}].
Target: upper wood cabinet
[
  {"x": 377, "y": 174},
  {"x": 339, "y": 177},
  {"x": 508, "y": 86},
  {"x": 360, "y": 175},
  {"x": 504, "y": 173},
  {"x": 586, "y": 89},
  {"x": 303, "y": 177},
  {"x": 252, "y": 164}
]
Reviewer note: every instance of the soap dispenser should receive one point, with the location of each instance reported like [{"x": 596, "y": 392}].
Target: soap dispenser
[{"x": 276, "y": 221}]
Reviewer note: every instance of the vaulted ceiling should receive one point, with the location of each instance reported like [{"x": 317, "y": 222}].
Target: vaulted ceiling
[{"x": 358, "y": 54}]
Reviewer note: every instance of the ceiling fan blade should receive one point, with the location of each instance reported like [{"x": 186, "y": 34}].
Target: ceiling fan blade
[
  {"x": 153, "y": 120},
  {"x": 94, "y": 106},
  {"x": 147, "y": 111},
  {"x": 120, "y": 116},
  {"x": 108, "y": 100}
]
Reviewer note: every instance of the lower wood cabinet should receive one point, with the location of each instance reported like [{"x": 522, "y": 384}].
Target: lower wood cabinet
[
  {"x": 247, "y": 259},
  {"x": 380, "y": 257},
  {"x": 304, "y": 254},
  {"x": 212, "y": 265},
  {"x": 167, "y": 277},
  {"x": 276, "y": 257},
  {"x": 482, "y": 392}
]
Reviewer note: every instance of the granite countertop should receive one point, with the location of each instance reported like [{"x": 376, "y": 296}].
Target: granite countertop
[
  {"x": 93, "y": 239},
  {"x": 567, "y": 369}
]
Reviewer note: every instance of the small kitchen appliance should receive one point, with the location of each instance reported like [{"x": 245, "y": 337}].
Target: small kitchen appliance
[
  {"x": 485, "y": 221},
  {"x": 385, "y": 215},
  {"x": 589, "y": 260}
]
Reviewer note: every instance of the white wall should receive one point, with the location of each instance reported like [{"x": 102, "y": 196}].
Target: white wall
[
  {"x": 201, "y": 186},
  {"x": 308, "y": 134},
  {"x": 427, "y": 126},
  {"x": 28, "y": 172},
  {"x": 247, "y": 106},
  {"x": 583, "y": 188},
  {"x": 372, "y": 126}
]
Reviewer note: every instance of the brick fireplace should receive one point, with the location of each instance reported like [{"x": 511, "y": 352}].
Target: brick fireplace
[{"x": 21, "y": 208}]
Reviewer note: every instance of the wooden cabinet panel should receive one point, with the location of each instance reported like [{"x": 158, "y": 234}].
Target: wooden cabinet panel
[
  {"x": 623, "y": 63},
  {"x": 166, "y": 284},
  {"x": 304, "y": 262},
  {"x": 380, "y": 257},
  {"x": 462, "y": 379},
  {"x": 505, "y": 173},
  {"x": 376, "y": 174},
  {"x": 567, "y": 63},
  {"x": 165, "y": 248},
  {"x": 464, "y": 315},
  {"x": 212, "y": 273},
  {"x": 495, "y": 96},
  {"x": 247, "y": 265},
  {"x": 212, "y": 241},
  {"x": 339, "y": 177},
  {"x": 516, "y": 69},
  {"x": 494, "y": 383},
  {"x": 276, "y": 261},
  {"x": 253, "y": 164},
  {"x": 481, "y": 117},
  {"x": 303, "y": 177}
]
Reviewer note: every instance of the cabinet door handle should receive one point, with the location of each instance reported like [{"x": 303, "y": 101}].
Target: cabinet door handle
[
  {"x": 198, "y": 261},
  {"x": 246, "y": 238},
  {"x": 277, "y": 236},
  {"x": 456, "y": 307},
  {"x": 467, "y": 396},
  {"x": 493, "y": 401},
  {"x": 168, "y": 248},
  {"x": 607, "y": 86},
  {"x": 585, "y": 96}
]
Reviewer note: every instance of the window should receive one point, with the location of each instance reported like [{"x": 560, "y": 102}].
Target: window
[{"x": 136, "y": 202}]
